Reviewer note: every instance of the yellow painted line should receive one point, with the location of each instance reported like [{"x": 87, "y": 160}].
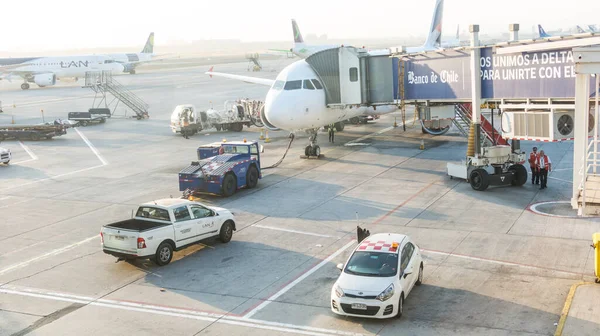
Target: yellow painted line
[{"x": 567, "y": 307}]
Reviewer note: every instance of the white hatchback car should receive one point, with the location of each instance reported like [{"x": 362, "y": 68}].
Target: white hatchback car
[{"x": 378, "y": 277}]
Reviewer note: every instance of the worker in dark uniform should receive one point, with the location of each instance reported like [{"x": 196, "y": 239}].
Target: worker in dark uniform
[
  {"x": 535, "y": 177},
  {"x": 331, "y": 132},
  {"x": 185, "y": 123},
  {"x": 544, "y": 166}
]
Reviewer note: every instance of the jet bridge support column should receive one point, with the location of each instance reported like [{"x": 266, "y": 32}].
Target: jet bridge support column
[
  {"x": 513, "y": 28},
  {"x": 476, "y": 86},
  {"x": 587, "y": 62}
]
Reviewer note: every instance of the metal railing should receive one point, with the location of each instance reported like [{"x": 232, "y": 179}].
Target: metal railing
[{"x": 591, "y": 150}]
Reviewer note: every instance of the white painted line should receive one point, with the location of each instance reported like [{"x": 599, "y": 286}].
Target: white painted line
[
  {"x": 295, "y": 282},
  {"x": 562, "y": 169},
  {"x": 46, "y": 255},
  {"x": 498, "y": 262},
  {"x": 84, "y": 138},
  {"x": 293, "y": 231},
  {"x": 175, "y": 312},
  {"x": 53, "y": 177},
  {"x": 33, "y": 156},
  {"x": 554, "y": 178},
  {"x": 534, "y": 209},
  {"x": 371, "y": 135},
  {"x": 3, "y": 198},
  {"x": 20, "y": 162}
]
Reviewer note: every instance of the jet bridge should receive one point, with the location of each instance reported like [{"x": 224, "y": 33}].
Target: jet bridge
[
  {"x": 533, "y": 84},
  {"x": 353, "y": 76}
]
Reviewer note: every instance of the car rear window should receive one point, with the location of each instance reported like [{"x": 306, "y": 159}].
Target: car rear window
[{"x": 153, "y": 213}]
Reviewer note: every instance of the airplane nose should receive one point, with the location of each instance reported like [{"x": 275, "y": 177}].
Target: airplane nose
[{"x": 274, "y": 114}]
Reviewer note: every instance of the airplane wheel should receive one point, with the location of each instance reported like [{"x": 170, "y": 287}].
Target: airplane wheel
[
  {"x": 132, "y": 72},
  {"x": 307, "y": 151},
  {"x": 316, "y": 151},
  {"x": 25, "y": 86},
  {"x": 339, "y": 126}
]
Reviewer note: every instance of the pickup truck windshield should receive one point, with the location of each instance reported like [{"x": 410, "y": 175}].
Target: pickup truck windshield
[{"x": 153, "y": 213}]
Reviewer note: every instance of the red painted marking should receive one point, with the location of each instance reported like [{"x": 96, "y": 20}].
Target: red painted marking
[
  {"x": 378, "y": 248},
  {"x": 402, "y": 204}
]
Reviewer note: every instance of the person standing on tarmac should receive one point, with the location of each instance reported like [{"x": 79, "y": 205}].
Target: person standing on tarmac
[
  {"x": 533, "y": 156},
  {"x": 331, "y": 132},
  {"x": 544, "y": 165}
]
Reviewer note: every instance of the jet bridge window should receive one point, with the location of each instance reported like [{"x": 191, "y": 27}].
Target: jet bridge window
[
  {"x": 293, "y": 85},
  {"x": 308, "y": 85},
  {"x": 353, "y": 74},
  {"x": 317, "y": 84}
]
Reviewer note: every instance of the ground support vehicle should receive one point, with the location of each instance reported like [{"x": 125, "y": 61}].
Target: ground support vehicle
[
  {"x": 222, "y": 169},
  {"x": 86, "y": 118},
  {"x": 5, "y": 155},
  {"x": 163, "y": 226},
  {"x": 377, "y": 277},
  {"x": 235, "y": 115},
  {"x": 32, "y": 132}
]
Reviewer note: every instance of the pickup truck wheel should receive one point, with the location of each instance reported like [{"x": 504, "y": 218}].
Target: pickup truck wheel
[
  {"x": 252, "y": 177},
  {"x": 164, "y": 254},
  {"x": 229, "y": 185},
  {"x": 226, "y": 232}
]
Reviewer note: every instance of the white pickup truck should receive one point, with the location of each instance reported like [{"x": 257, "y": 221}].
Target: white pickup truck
[
  {"x": 163, "y": 226},
  {"x": 5, "y": 155}
]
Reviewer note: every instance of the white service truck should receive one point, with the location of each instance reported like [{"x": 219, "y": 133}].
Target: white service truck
[
  {"x": 5, "y": 155},
  {"x": 186, "y": 118},
  {"x": 163, "y": 226}
]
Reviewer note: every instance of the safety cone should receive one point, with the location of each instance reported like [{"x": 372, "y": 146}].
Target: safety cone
[
  {"x": 395, "y": 123},
  {"x": 262, "y": 134},
  {"x": 422, "y": 147},
  {"x": 267, "y": 139}
]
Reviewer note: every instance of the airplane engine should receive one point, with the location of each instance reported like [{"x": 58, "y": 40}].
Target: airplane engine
[
  {"x": 44, "y": 79},
  {"x": 266, "y": 122},
  {"x": 127, "y": 67}
]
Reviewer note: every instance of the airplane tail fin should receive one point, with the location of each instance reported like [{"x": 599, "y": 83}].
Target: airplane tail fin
[
  {"x": 592, "y": 28},
  {"x": 149, "y": 47},
  {"x": 297, "y": 36},
  {"x": 580, "y": 30},
  {"x": 542, "y": 31},
  {"x": 434, "y": 37},
  {"x": 458, "y": 32}
]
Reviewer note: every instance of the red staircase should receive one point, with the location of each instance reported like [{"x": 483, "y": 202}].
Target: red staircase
[{"x": 486, "y": 126}]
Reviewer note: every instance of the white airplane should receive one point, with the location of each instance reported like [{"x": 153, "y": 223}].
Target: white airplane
[
  {"x": 45, "y": 71},
  {"x": 433, "y": 41},
  {"x": 132, "y": 60},
  {"x": 296, "y": 102},
  {"x": 302, "y": 49}
]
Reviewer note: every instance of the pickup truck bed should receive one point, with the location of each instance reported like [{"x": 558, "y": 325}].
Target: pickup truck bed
[{"x": 137, "y": 225}]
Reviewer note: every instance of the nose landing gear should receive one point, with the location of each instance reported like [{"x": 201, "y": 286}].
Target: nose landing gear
[{"x": 312, "y": 149}]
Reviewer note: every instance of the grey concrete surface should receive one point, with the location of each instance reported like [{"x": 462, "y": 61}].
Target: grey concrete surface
[
  {"x": 584, "y": 313},
  {"x": 492, "y": 266}
]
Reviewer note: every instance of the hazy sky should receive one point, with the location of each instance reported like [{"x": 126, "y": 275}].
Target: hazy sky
[{"x": 68, "y": 24}]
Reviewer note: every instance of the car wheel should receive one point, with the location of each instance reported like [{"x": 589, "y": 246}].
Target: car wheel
[
  {"x": 400, "y": 306},
  {"x": 164, "y": 254},
  {"x": 226, "y": 232},
  {"x": 420, "y": 277}
]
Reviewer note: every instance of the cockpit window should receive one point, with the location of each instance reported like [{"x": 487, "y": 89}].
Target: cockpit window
[
  {"x": 293, "y": 85},
  {"x": 317, "y": 84},
  {"x": 278, "y": 85},
  {"x": 308, "y": 85}
]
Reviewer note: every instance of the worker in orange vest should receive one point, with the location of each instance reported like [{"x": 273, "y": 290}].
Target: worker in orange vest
[
  {"x": 533, "y": 156},
  {"x": 544, "y": 165}
]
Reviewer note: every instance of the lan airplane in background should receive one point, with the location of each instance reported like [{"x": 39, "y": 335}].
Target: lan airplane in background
[
  {"x": 131, "y": 61},
  {"x": 45, "y": 71},
  {"x": 433, "y": 41}
]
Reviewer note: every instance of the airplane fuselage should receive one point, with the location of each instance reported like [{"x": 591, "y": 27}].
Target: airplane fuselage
[
  {"x": 67, "y": 66},
  {"x": 296, "y": 101}
]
